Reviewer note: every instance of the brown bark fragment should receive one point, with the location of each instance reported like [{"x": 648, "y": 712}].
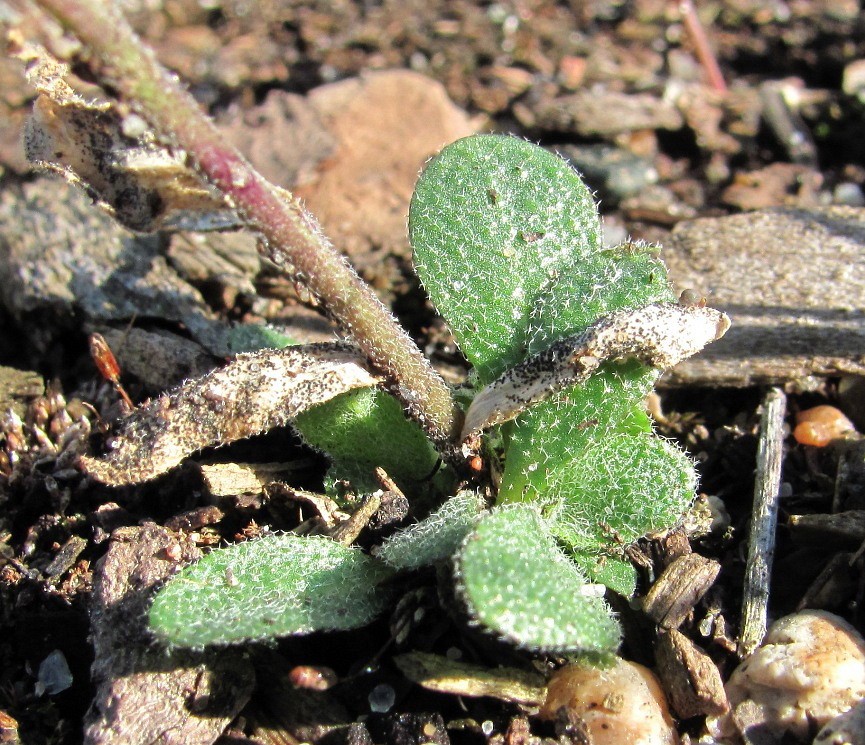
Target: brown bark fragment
[
  {"x": 145, "y": 694},
  {"x": 691, "y": 679},
  {"x": 841, "y": 530},
  {"x": 679, "y": 589}
]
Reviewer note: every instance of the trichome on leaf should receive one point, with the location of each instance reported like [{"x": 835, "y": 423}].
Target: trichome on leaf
[{"x": 562, "y": 362}]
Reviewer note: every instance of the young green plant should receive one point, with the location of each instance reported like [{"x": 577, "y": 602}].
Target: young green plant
[
  {"x": 507, "y": 242},
  {"x": 565, "y": 337}
]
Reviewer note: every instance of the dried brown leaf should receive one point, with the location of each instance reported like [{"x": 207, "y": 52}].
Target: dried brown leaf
[
  {"x": 113, "y": 155},
  {"x": 660, "y": 335},
  {"x": 253, "y": 393}
]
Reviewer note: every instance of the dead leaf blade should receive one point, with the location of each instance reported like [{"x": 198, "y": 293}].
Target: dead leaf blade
[
  {"x": 660, "y": 335},
  {"x": 253, "y": 393}
]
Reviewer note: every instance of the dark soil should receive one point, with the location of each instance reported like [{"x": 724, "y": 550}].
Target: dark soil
[{"x": 507, "y": 62}]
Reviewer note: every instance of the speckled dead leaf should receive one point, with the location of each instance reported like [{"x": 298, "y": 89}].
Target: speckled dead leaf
[
  {"x": 659, "y": 335},
  {"x": 253, "y": 393},
  {"x": 113, "y": 155}
]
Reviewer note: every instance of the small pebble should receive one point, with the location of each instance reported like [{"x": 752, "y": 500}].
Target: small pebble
[
  {"x": 849, "y": 194},
  {"x": 821, "y": 425},
  {"x": 809, "y": 669},
  {"x": 54, "y": 675},
  {"x": 845, "y": 729},
  {"x": 381, "y": 698},
  {"x": 313, "y": 678},
  {"x": 853, "y": 79},
  {"x": 619, "y": 704}
]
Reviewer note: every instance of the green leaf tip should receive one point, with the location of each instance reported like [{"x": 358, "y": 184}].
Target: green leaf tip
[
  {"x": 516, "y": 582},
  {"x": 275, "y": 586}
]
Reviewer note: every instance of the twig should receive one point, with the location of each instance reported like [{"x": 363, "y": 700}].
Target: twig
[
  {"x": 702, "y": 49},
  {"x": 764, "y": 519},
  {"x": 787, "y": 124},
  {"x": 347, "y": 531},
  {"x": 292, "y": 238}
]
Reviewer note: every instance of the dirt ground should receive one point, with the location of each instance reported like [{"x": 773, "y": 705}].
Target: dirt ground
[{"x": 306, "y": 89}]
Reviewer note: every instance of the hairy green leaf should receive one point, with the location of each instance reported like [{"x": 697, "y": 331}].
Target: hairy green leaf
[
  {"x": 250, "y": 337},
  {"x": 435, "y": 538},
  {"x": 611, "y": 571},
  {"x": 491, "y": 222},
  {"x": 274, "y": 586},
  {"x": 497, "y": 212},
  {"x": 597, "y": 473},
  {"x": 364, "y": 429},
  {"x": 516, "y": 582}
]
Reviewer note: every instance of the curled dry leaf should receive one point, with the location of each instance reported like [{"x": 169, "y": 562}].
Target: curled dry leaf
[
  {"x": 253, "y": 393},
  {"x": 660, "y": 335},
  {"x": 113, "y": 155}
]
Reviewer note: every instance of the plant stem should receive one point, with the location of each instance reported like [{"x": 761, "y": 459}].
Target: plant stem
[{"x": 292, "y": 238}]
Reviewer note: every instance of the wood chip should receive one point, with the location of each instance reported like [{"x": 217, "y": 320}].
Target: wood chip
[
  {"x": 835, "y": 586},
  {"x": 788, "y": 279},
  {"x": 253, "y": 393},
  {"x": 841, "y": 530},
  {"x": 679, "y": 589},
  {"x": 691, "y": 680},
  {"x": 764, "y": 520},
  {"x": 66, "y": 556},
  {"x": 195, "y": 519},
  {"x": 231, "y": 479},
  {"x": 436, "y": 673}
]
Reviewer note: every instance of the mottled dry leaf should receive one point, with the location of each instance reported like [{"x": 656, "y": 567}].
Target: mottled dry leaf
[
  {"x": 660, "y": 335},
  {"x": 253, "y": 393},
  {"x": 114, "y": 157}
]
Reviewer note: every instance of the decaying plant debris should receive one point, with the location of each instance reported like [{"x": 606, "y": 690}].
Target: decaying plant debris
[
  {"x": 658, "y": 335},
  {"x": 254, "y": 393}
]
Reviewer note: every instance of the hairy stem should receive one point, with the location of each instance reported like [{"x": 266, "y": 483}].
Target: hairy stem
[{"x": 292, "y": 237}]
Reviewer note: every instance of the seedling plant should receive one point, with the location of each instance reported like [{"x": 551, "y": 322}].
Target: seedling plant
[
  {"x": 550, "y": 465},
  {"x": 506, "y": 239}
]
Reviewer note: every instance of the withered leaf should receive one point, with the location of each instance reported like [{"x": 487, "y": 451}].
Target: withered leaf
[
  {"x": 660, "y": 335},
  {"x": 253, "y": 393},
  {"x": 112, "y": 155}
]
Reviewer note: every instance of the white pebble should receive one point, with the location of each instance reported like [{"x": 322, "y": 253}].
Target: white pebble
[{"x": 809, "y": 669}]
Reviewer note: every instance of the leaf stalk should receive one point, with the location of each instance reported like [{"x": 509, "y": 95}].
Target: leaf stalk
[{"x": 292, "y": 238}]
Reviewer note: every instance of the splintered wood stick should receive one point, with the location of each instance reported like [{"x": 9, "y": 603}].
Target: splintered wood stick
[{"x": 764, "y": 519}]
